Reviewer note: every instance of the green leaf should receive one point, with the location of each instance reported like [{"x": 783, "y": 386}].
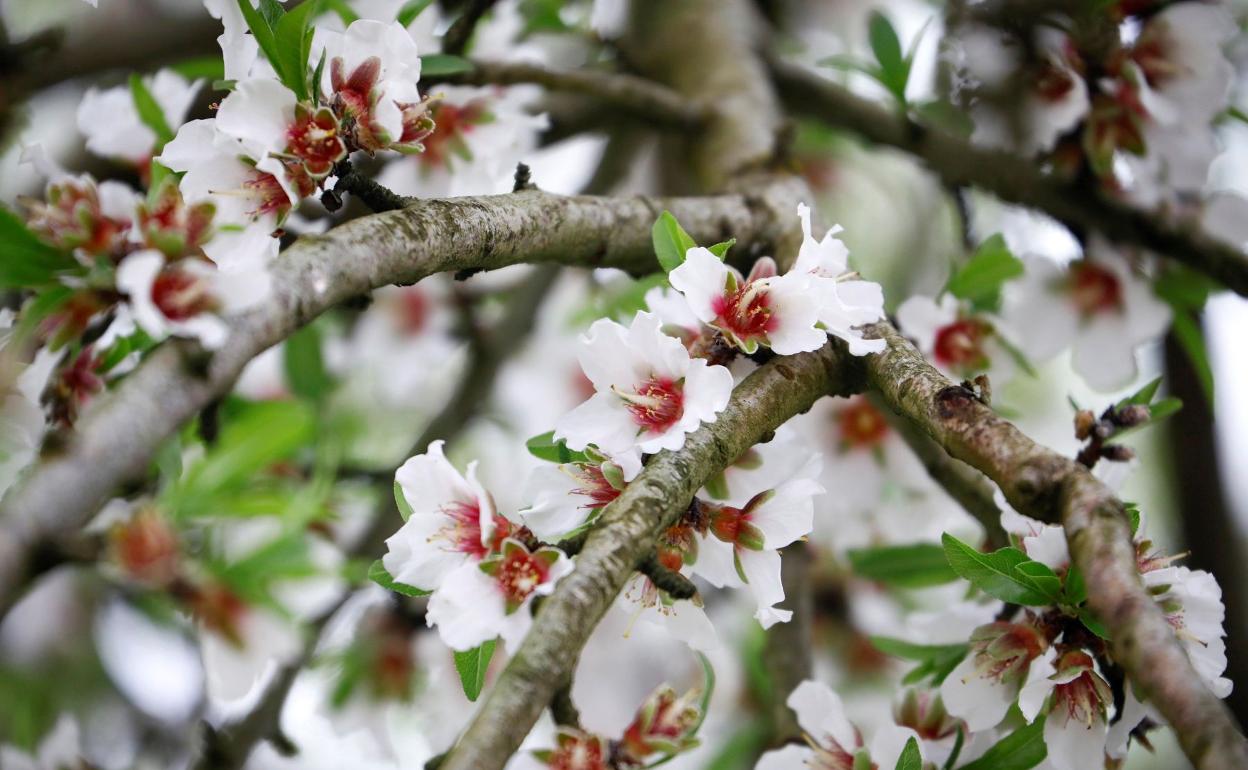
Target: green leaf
[
  {"x": 1074, "y": 589},
  {"x": 1020, "y": 750},
  {"x": 979, "y": 281},
  {"x": 262, "y": 434},
  {"x": 201, "y": 67},
  {"x": 894, "y": 69},
  {"x": 305, "y": 367},
  {"x": 545, "y": 447},
  {"x": 939, "y": 113},
  {"x": 1133, "y": 516},
  {"x": 721, "y": 249},
  {"x": 378, "y": 574},
  {"x": 286, "y": 557},
  {"x": 910, "y": 758},
  {"x": 671, "y": 242},
  {"x": 472, "y": 666},
  {"x": 400, "y": 500},
  {"x": 272, "y": 11},
  {"x": 436, "y": 64},
  {"x": 1143, "y": 396},
  {"x": 1090, "y": 622},
  {"x": 848, "y": 63},
  {"x": 904, "y": 566},
  {"x": 1191, "y": 338},
  {"x": 1184, "y": 288},
  {"x": 27, "y": 261},
  {"x": 258, "y": 21},
  {"x": 318, "y": 74},
  {"x": 408, "y": 13},
  {"x": 293, "y": 41},
  {"x": 1006, "y": 574},
  {"x": 935, "y": 660}
]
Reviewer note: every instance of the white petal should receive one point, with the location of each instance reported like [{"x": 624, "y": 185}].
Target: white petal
[
  {"x": 553, "y": 509},
  {"x": 821, "y": 713},
  {"x": 980, "y": 701},
  {"x": 787, "y": 758},
  {"x": 1038, "y": 685},
  {"x": 701, "y": 279},
  {"x": 1074, "y": 745},
  {"x": 469, "y": 609},
  {"x": 258, "y": 113},
  {"x": 602, "y": 420},
  {"x": 762, "y": 572}
]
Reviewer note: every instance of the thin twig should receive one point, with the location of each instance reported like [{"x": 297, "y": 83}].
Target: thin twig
[{"x": 1013, "y": 179}]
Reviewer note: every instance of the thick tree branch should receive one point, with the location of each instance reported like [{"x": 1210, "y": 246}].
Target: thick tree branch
[
  {"x": 627, "y": 529},
  {"x": 117, "y": 438},
  {"x": 1040, "y": 483},
  {"x": 1012, "y": 178}
]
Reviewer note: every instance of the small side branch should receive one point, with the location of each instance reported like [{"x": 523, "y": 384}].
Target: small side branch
[
  {"x": 1012, "y": 178},
  {"x": 1040, "y": 483},
  {"x": 645, "y": 99}
]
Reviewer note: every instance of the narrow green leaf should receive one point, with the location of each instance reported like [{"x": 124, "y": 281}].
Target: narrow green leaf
[
  {"x": 545, "y": 447},
  {"x": 378, "y": 574},
  {"x": 979, "y": 281},
  {"x": 1020, "y": 750},
  {"x": 305, "y": 366},
  {"x": 904, "y": 566},
  {"x": 910, "y": 758},
  {"x": 1191, "y": 338},
  {"x": 1143, "y": 396},
  {"x": 1006, "y": 574},
  {"x": 899, "y": 648},
  {"x": 472, "y": 666},
  {"x": 894, "y": 70},
  {"x": 293, "y": 43},
  {"x": 408, "y": 13},
  {"x": 436, "y": 64},
  {"x": 262, "y": 434},
  {"x": 201, "y": 67},
  {"x": 721, "y": 249},
  {"x": 262, "y": 29},
  {"x": 27, "y": 261},
  {"x": 272, "y": 11},
  {"x": 1074, "y": 590},
  {"x": 848, "y": 63},
  {"x": 671, "y": 242},
  {"x": 400, "y": 500}
]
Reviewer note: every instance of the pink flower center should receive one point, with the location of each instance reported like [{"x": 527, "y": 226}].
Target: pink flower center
[
  {"x": 463, "y": 532},
  {"x": 413, "y": 310},
  {"x": 519, "y": 574},
  {"x": 1094, "y": 289},
  {"x": 1083, "y": 697},
  {"x": 960, "y": 344},
  {"x": 1003, "y": 651},
  {"x": 657, "y": 404},
  {"x": 269, "y": 195},
  {"x": 450, "y": 123},
  {"x": 745, "y": 312},
  {"x": 594, "y": 485},
  {"x": 180, "y": 295},
  {"x": 861, "y": 424}
]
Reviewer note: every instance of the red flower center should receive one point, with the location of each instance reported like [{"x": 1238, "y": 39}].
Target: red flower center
[
  {"x": 594, "y": 485},
  {"x": 463, "y": 531},
  {"x": 657, "y": 404},
  {"x": 1083, "y": 697},
  {"x": 1093, "y": 289},
  {"x": 450, "y": 123},
  {"x": 861, "y": 424},
  {"x": 413, "y": 310},
  {"x": 269, "y": 195},
  {"x": 314, "y": 139},
  {"x": 519, "y": 574},
  {"x": 960, "y": 344},
  {"x": 146, "y": 548},
  {"x": 180, "y": 295},
  {"x": 745, "y": 312}
]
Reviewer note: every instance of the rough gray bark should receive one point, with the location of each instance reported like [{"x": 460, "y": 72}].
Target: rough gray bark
[
  {"x": 1043, "y": 484},
  {"x": 116, "y": 440}
]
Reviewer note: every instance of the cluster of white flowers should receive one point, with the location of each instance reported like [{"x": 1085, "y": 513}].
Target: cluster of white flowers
[
  {"x": 650, "y": 391},
  {"x": 1142, "y": 117}
]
